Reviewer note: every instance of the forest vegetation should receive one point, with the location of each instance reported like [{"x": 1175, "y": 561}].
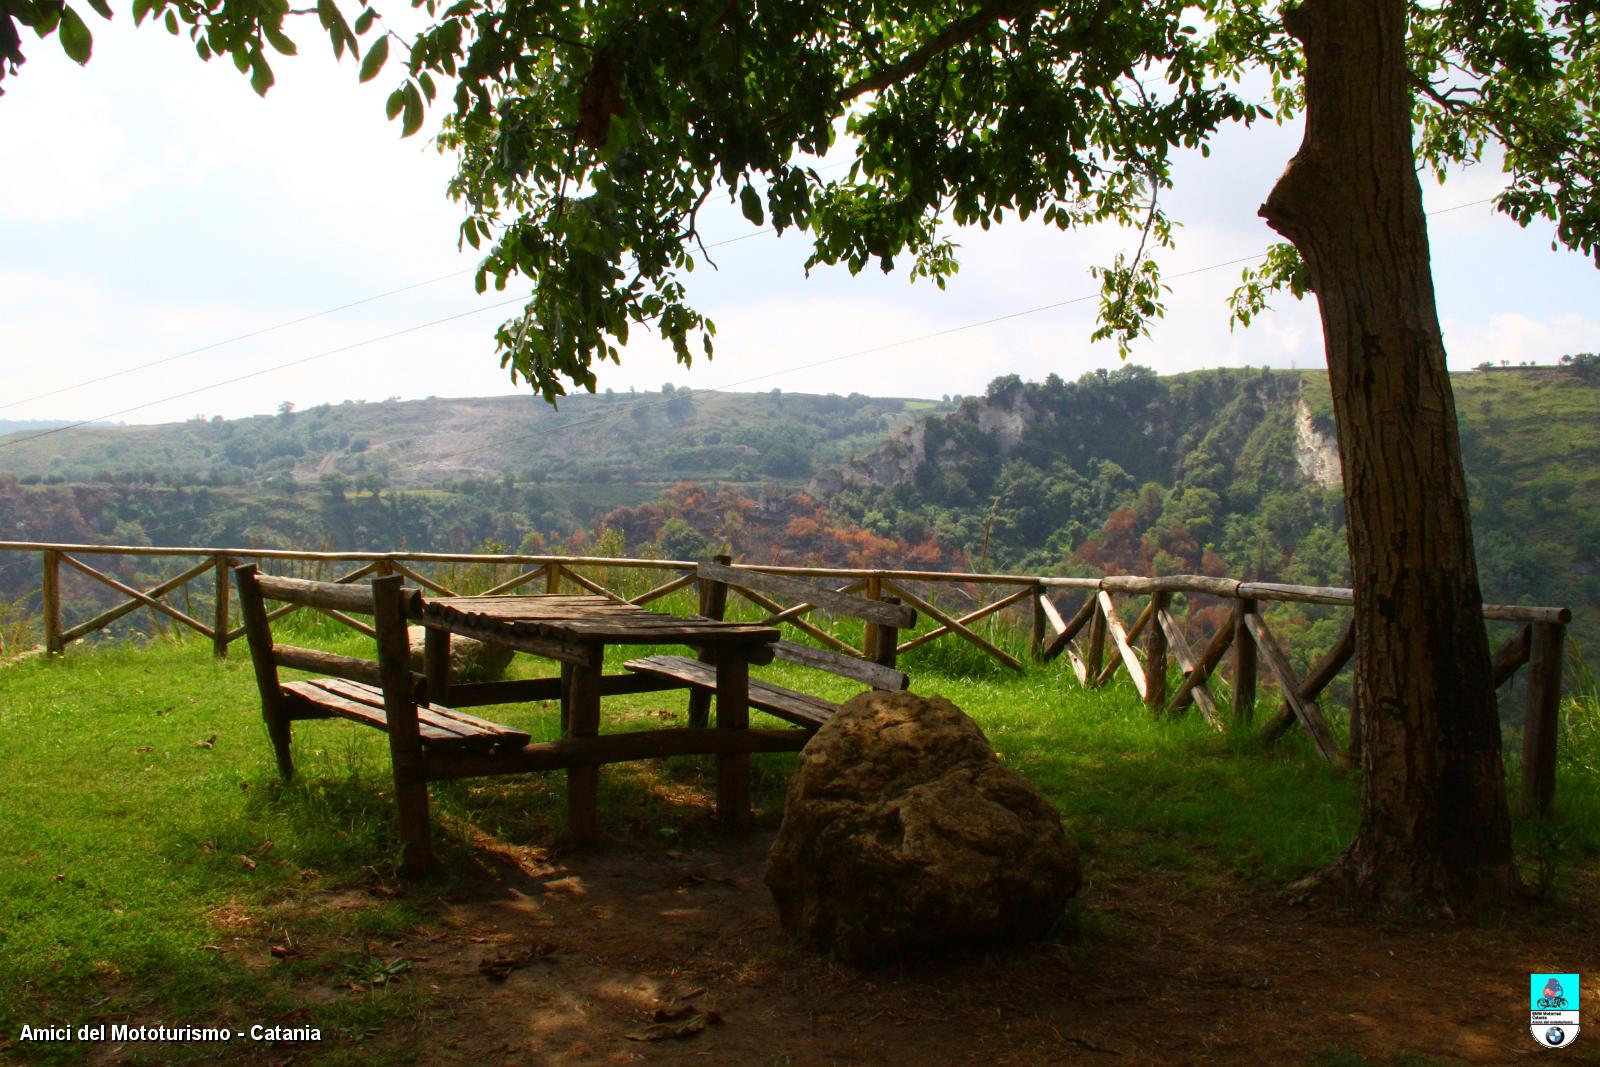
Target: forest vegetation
[{"x": 1223, "y": 472}]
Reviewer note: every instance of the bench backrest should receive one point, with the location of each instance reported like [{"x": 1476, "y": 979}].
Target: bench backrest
[
  {"x": 887, "y": 616},
  {"x": 256, "y": 588}
]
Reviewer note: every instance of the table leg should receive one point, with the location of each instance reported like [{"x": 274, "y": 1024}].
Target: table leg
[
  {"x": 580, "y": 707},
  {"x": 733, "y": 713},
  {"x": 436, "y": 664}
]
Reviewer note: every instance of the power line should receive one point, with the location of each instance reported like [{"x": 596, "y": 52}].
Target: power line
[
  {"x": 722, "y": 388},
  {"x": 823, "y": 362},
  {"x": 280, "y": 366},
  {"x": 545, "y": 431},
  {"x": 307, "y": 318},
  {"x": 264, "y": 370},
  {"x": 232, "y": 340}
]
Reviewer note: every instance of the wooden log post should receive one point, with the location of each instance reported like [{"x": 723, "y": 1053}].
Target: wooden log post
[
  {"x": 552, "y": 578},
  {"x": 733, "y": 714},
  {"x": 888, "y": 639},
  {"x": 582, "y": 705},
  {"x": 436, "y": 664},
  {"x": 1155, "y": 654},
  {"x": 1540, "y": 729},
  {"x": 713, "y": 605},
  {"x": 1094, "y": 655},
  {"x": 405, "y": 738},
  {"x": 871, "y": 638},
  {"x": 259, "y": 633},
  {"x": 51, "y": 601},
  {"x": 1041, "y": 623},
  {"x": 220, "y": 623},
  {"x": 1244, "y": 661}
]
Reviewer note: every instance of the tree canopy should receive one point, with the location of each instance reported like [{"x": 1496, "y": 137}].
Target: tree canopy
[{"x": 590, "y": 136}]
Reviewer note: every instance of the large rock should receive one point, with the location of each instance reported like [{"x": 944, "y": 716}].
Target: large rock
[
  {"x": 470, "y": 661},
  {"x": 902, "y": 834}
]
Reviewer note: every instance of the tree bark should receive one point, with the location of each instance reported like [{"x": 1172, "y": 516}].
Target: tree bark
[{"x": 1435, "y": 828}]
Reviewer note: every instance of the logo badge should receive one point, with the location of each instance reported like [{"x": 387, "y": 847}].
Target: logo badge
[{"x": 1553, "y": 1009}]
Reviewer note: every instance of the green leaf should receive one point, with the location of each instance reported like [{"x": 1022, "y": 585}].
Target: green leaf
[
  {"x": 396, "y": 101},
  {"x": 141, "y": 8},
  {"x": 101, "y": 8},
  {"x": 260, "y": 74},
  {"x": 413, "y": 110},
  {"x": 172, "y": 23},
  {"x": 375, "y": 58},
  {"x": 750, "y": 204},
  {"x": 364, "y": 21},
  {"x": 275, "y": 37},
  {"x": 76, "y": 40}
]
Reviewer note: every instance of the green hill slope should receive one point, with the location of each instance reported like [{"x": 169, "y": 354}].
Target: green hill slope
[
  {"x": 1222, "y": 472},
  {"x": 1230, "y": 472}
]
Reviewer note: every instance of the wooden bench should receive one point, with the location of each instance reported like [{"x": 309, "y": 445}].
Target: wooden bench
[
  {"x": 884, "y": 619},
  {"x": 385, "y": 694}
]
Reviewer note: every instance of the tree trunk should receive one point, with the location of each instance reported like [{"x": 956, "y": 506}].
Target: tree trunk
[{"x": 1435, "y": 829}]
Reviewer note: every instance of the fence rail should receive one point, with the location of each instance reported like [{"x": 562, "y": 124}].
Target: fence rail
[{"x": 1154, "y": 650}]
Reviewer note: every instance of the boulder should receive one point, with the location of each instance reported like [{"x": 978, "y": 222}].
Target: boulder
[
  {"x": 470, "y": 661},
  {"x": 903, "y": 835}
]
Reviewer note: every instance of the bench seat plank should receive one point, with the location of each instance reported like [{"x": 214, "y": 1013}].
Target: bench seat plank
[
  {"x": 439, "y": 726},
  {"x": 798, "y": 708}
]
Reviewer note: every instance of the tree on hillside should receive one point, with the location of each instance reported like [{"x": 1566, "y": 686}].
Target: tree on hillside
[{"x": 590, "y": 136}]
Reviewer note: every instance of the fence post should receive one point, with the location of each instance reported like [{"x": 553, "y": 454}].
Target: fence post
[
  {"x": 51, "y": 601},
  {"x": 1155, "y": 647},
  {"x": 1544, "y": 716},
  {"x": 871, "y": 637},
  {"x": 552, "y": 578},
  {"x": 888, "y": 640},
  {"x": 219, "y": 618},
  {"x": 1094, "y": 656},
  {"x": 713, "y": 605},
  {"x": 1244, "y": 661},
  {"x": 1036, "y": 638}
]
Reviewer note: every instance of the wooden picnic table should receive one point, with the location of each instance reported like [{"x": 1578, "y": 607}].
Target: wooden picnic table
[{"x": 575, "y": 630}]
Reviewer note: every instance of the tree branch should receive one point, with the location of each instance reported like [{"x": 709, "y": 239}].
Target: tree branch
[{"x": 954, "y": 35}]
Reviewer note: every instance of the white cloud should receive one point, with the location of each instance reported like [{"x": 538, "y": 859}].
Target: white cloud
[{"x": 1515, "y": 338}]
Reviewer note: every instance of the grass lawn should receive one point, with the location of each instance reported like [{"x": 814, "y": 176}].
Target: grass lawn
[{"x": 145, "y": 830}]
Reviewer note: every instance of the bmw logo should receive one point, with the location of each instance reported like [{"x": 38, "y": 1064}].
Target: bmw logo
[{"x": 1555, "y": 1036}]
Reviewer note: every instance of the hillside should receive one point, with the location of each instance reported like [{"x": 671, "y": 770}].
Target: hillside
[
  {"x": 1229, "y": 472},
  {"x": 1221, "y": 472},
  {"x": 637, "y": 439}
]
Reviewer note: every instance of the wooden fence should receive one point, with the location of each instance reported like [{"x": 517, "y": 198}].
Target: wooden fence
[{"x": 1154, "y": 650}]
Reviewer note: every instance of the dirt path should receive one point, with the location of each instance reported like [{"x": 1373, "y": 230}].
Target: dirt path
[{"x": 1164, "y": 971}]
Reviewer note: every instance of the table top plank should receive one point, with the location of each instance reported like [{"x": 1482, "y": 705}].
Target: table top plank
[{"x": 586, "y": 618}]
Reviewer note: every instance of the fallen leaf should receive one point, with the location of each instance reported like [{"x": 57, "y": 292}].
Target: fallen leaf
[
  {"x": 284, "y": 952},
  {"x": 249, "y": 864},
  {"x": 210, "y": 742},
  {"x": 499, "y": 968},
  {"x": 680, "y": 1022}
]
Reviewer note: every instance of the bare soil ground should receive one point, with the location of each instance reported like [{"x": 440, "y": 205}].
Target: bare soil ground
[{"x": 1161, "y": 969}]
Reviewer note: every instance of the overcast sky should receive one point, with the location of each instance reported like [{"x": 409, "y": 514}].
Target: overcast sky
[{"x": 151, "y": 204}]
